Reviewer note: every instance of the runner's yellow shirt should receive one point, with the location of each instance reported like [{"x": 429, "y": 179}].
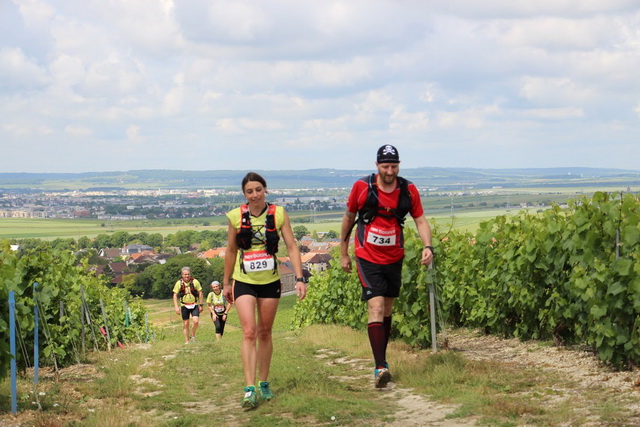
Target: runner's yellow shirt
[
  {"x": 218, "y": 301},
  {"x": 188, "y": 297},
  {"x": 260, "y": 268}
]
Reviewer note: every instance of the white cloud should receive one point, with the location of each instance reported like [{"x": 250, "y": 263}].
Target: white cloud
[
  {"x": 307, "y": 79},
  {"x": 19, "y": 72},
  {"x": 78, "y": 131},
  {"x": 555, "y": 91},
  {"x": 133, "y": 134},
  {"x": 555, "y": 113},
  {"x": 401, "y": 120}
]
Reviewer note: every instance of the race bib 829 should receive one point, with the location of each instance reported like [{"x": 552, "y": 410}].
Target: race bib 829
[{"x": 257, "y": 261}]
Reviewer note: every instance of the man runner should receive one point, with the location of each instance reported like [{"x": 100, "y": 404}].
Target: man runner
[
  {"x": 188, "y": 293},
  {"x": 379, "y": 246}
]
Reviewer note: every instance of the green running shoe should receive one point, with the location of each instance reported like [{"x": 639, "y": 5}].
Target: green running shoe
[
  {"x": 265, "y": 391},
  {"x": 381, "y": 377},
  {"x": 250, "y": 399}
]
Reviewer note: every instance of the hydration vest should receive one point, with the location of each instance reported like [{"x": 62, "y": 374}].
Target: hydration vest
[
  {"x": 372, "y": 208},
  {"x": 245, "y": 234},
  {"x": 183, "y": 291}
]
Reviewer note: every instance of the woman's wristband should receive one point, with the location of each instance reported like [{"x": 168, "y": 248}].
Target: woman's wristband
[{"x": 430, "y": 248}]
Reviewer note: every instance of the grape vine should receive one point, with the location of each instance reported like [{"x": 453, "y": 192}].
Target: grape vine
[
  {"x": 571, "y": 275},
  {"x": 62, "y": 286}
]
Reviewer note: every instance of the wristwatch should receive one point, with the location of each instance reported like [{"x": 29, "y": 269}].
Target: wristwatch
[{"x": 300, "y": 279}]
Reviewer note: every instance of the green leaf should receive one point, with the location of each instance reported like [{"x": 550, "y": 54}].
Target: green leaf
[
  {"x": 597, "y": 311},
  {"x": 616, "y": 288},
  {"x": 622, "y": 266}
]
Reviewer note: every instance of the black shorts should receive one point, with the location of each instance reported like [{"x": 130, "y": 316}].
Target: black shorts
[
  {"x": 270, "y": 290},
  {"x": 186, "y": 312},
  {"x": 379, "y": 280}
]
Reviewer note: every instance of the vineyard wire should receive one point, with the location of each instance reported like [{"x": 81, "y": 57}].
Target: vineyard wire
[
  {"x": 87, "y": 313},
  {"x": 25, "y": 355},
  {"x": 47, "y": 335},
  {"x": 22, "y": 345},
  {"x": 73, "y": 341}
]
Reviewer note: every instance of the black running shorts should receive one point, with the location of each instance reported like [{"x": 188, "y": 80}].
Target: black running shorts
[
  {"x": 195, "y": 312},
  {"x": 270, "y": 290},
  {"x": 379, "y": 280}
]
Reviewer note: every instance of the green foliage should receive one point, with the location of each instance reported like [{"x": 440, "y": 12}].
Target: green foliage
[
  {"x": 165, "y": 276},
  {"x": 61, "y": 284},
  {"x": 299, "y": 231},
  {"x": 570, "y": 275},
  {"x": 333, "y": 297}
]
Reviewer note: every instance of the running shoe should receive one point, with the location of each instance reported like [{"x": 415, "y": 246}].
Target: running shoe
[
  {"x": 382, "y": 376},
  {"x": 250, "y": 399},
  {"x": 265, "y": 391}
]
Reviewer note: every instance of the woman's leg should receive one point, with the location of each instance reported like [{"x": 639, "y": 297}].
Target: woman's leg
[
  {"x": 246, "y": 308},
  {"x": 222, "y": 322},
  {"x": 219, "y": 324},
  {"x": 267, "y": 308}
]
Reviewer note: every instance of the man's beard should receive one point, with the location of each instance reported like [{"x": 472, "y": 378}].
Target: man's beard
[{"x": 389, "y": 179}]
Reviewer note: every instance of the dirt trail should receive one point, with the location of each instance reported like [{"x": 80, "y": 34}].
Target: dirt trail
[
  {"x": 581, "y": 369},
  {"x": 412, "y": 409}
]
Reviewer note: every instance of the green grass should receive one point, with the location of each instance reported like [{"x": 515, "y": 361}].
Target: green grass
[{"x": 317, "y": 373}]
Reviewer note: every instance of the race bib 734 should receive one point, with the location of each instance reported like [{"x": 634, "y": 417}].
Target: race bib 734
[{"x": 381, "y": 236}]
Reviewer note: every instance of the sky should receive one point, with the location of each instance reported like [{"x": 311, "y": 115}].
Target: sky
[{"x": 95, "y": 85}]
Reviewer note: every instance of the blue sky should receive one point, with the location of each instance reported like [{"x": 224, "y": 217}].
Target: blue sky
[{"x": 98, "y": 85}]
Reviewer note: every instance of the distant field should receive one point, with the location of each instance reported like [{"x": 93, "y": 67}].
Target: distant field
[
  {"x": 467, "y": 211},
  {"x": 21, "y": 228},
  {"x": 49, "y": 229}
]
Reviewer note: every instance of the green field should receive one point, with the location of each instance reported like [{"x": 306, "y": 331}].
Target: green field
[
  {"x": 22, "y": 228},
  {"x": 465, "y": 212},
  {"x": 466, "y": 219},
  {"x": 48, "y": 229}
]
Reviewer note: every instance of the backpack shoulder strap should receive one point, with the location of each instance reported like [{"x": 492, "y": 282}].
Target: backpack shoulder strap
[
  {"x": 271, "y": 212},
  {"x": 245, "y": 233},
  {"x": 272, "y": 239},
  {"x": 370, "y": 207},
  {"x": 404, "y": 200}
]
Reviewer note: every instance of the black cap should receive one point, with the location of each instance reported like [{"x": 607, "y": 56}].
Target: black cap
[{"x": 388, "y": 154}]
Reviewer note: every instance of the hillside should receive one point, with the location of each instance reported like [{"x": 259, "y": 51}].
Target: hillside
[{"x": 443, "y": 178}]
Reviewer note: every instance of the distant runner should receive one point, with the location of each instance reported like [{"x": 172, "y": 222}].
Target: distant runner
[
  {"x": 188, "y": 293},
  {"x": 218, "y": 308}
]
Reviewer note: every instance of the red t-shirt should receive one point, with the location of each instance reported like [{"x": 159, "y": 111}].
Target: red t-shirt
[{"x": 382, "y": 240}]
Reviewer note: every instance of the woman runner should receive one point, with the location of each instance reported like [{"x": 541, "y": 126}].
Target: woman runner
[
  {"x": 250, "y": 261},
  {"x": 218, "y": 308}
]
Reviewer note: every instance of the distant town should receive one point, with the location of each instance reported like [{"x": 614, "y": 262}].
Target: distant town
[
  {"x": 179, "y": 204},
  {"x": 149, "y": 204},
  {"x": 149, "y": 195}
]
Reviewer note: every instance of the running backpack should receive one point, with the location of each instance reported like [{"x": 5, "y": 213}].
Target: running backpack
[
  {"x": 183, "y": 291},
  {"x": 372, "y": 208},
  {"x": 245, "y": 234}
]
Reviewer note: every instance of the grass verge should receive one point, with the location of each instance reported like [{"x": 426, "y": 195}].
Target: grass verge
[{"x": 320, "y": 375}]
